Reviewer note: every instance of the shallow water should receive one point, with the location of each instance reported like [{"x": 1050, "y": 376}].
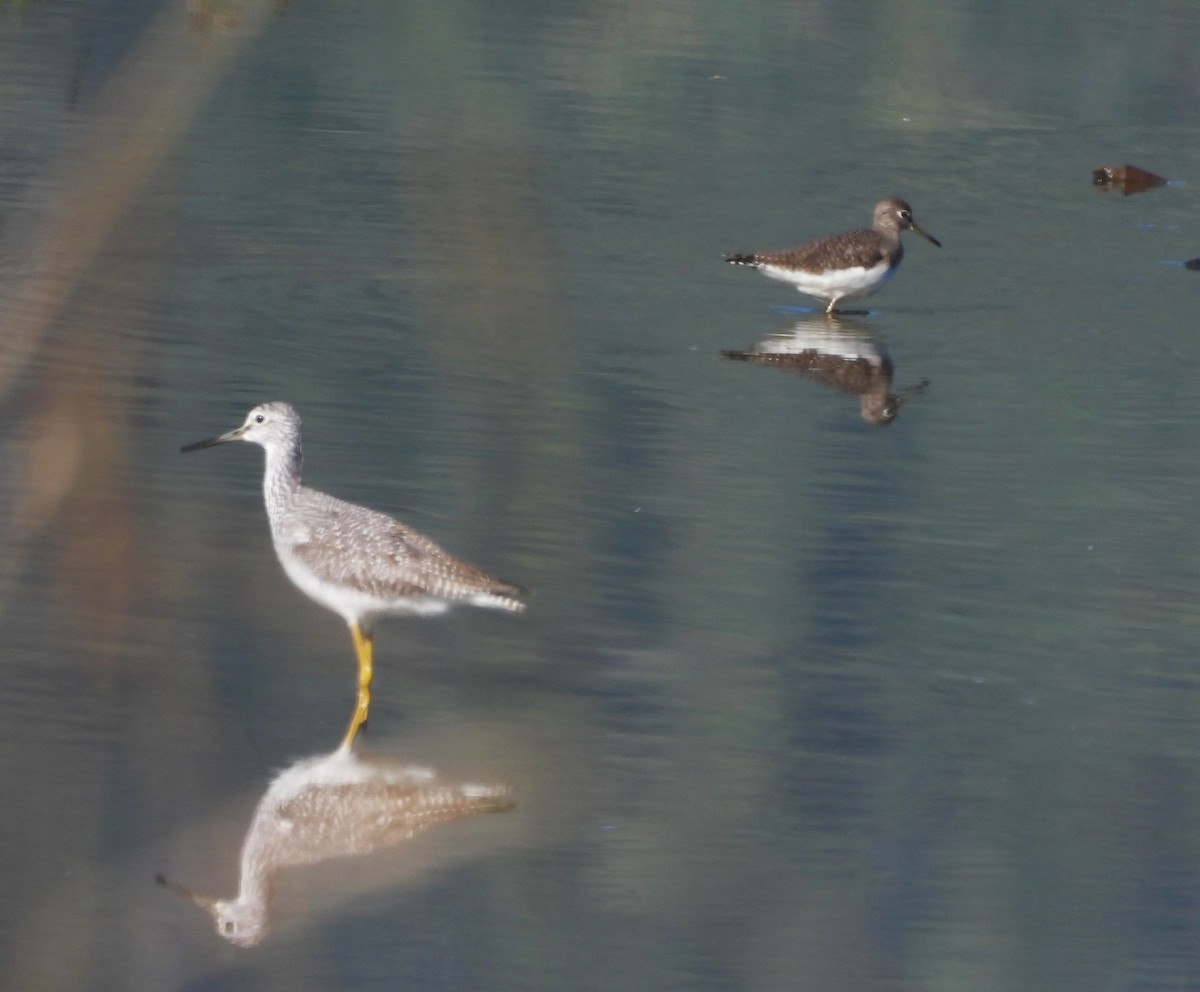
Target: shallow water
[{"x": 800, "y": 702}]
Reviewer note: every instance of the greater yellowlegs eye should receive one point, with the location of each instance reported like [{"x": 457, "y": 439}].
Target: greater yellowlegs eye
[
  {"x": 227, "y": 926},
  {"x": 259, "y": 419}
]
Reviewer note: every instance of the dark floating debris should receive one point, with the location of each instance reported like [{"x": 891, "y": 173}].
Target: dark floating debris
[
  {"x": 1193, "y": 264},
  {"x": 1127, "y": 178}
]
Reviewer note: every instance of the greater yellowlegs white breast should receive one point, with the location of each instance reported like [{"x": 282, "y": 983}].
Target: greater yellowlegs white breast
[
  {"x": 334, "y": 806},
  {"x": 352, "y": 560},
  {"x": 847, "y": 266}
]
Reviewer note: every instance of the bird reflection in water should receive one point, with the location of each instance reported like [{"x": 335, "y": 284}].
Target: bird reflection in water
[
  {"x": 333, "y": 806},
  {"x": 845, "y": 355}
]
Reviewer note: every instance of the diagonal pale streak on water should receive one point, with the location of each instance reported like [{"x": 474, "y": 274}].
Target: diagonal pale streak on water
[
  {"x": 145, "y": 108},
  {"x": 137, "y": 119}
]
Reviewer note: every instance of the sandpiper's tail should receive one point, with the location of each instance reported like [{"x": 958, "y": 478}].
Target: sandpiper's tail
[
  {"x": 492, "y": 601},
  {"x": 503, "y": 596},
  {"x": 751, "y": 260},
  {"x": 442, "y": 803}
]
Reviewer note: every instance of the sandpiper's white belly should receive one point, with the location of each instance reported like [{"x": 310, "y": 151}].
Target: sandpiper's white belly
[
  {"x": 834, "y": 284},
  {"x": 823, "y": 336}
]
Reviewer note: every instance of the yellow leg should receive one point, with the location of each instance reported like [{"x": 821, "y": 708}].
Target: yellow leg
[{"x": 362, "y": 650}]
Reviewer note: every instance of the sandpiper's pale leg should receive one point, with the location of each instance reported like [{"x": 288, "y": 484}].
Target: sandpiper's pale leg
[{"x": 362, "y": 650}]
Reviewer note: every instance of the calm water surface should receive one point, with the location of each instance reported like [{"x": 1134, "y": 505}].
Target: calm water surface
[{"x": 800, "y": 702}]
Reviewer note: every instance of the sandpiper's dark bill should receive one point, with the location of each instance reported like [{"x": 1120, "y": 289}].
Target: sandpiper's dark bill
[{"x": 212, "y": 442}]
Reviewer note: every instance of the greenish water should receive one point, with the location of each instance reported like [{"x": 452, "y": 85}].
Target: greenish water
[{"x": 800, "y": 702}]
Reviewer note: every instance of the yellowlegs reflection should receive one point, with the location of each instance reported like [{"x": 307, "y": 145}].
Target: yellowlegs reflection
[
  {"x": 334, "y": 806},
  {"x": 847, "y": 266},
  {"x": 352, "y": 560},
  {"x": 845, "y": 355}
]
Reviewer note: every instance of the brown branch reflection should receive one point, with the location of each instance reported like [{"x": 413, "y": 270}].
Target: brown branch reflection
[
  {"x": 334, "y": 806},
  {"x": 62, "y": 307},
  {"x": 844, "y": 354}
]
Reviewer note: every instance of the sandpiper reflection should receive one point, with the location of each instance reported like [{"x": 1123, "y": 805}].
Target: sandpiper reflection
[
  {"x": 844, "y": 354},
  {"x": 333, "y": 806}
]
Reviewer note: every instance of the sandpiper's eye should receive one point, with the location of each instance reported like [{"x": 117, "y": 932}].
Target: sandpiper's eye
[
  {"x": 227, "y": 926},
  {"x": 905, "y": 215},
  {"x": 259, "y": 419}
]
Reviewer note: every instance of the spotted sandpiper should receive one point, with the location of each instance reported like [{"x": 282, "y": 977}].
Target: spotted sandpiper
[
  {"x": 847, "y": 266},
  {"x": 359, "y": 563}
]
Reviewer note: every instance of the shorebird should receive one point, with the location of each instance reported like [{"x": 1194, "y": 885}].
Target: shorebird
[
  {"x": 842, "y": 354},
  {"x": 847, "y": 266},
  {"x": 355, "y": 561},
  {"x": 333, "y": 806}
]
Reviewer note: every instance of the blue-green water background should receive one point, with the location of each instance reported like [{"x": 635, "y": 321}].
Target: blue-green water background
[{"x": 800, "y": 703}]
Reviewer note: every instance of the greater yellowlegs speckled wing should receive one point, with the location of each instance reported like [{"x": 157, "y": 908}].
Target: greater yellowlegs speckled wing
[
  {"x": 352, "y": 560},
  {"x": 847, "y": 266}
]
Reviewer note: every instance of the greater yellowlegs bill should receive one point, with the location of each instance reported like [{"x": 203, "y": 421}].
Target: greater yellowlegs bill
[
  {"x": 359, "y": 563},
  {"x": 333, "y": 806},
  {"x": 847, "y": 266}
]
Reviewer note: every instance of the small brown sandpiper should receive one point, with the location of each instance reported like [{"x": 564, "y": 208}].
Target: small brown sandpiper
[{"x": 847, "y": 266}]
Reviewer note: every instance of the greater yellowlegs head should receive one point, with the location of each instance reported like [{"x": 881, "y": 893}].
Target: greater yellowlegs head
[
  {"x": 895, "y": 213},
  {"x": 273, "y": 425},
  {"x": 240, "y": 922}
]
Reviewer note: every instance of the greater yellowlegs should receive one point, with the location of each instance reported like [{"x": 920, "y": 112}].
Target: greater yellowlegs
[
  {"x": 352, "y": 560},
  {"x": 333, "y": 806},
  {"x": 847, "y": 266}
]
